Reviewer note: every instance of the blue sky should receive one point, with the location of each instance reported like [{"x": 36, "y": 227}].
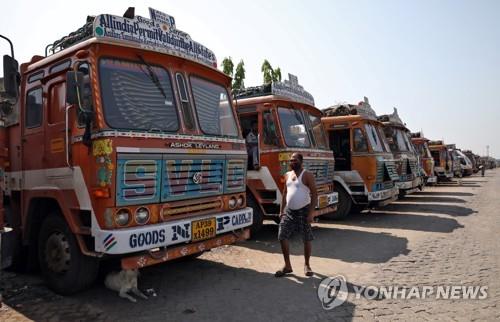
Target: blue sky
[{"x": 438, "y": 62}]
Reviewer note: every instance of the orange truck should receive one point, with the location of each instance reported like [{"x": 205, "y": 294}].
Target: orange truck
[
  {"x": 405, "y": 156},
  {"x": 286, "y": 122},
  {"x": 443, "y": 166},
  {"x": 365, "y": 174},
  {"x": 425, "y": 158},
  {"x": 122, "y": 143}
]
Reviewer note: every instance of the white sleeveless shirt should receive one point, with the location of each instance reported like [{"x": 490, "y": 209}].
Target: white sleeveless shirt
[{"x": 297, "y": 194}]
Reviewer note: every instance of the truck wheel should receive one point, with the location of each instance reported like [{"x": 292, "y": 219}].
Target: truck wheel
[
  {"x": 258, "y": 216},
  {"x": 344, "y": 206},
  {"x": 63, "y": 266}
]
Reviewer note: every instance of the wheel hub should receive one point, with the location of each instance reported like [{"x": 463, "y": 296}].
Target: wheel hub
[{"x": 57, "y": 253}]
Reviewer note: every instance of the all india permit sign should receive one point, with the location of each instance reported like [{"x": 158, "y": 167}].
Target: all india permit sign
[{"x": 158, "y": 33}]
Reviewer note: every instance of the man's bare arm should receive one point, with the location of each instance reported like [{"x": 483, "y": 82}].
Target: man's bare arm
[
  {"x": 311, "y": 184},
  {"x": 283, "y": 197}
]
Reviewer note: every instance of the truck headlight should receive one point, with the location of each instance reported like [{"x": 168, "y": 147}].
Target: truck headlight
[
  {"x": 122, "y": 216},
  {"x": 232, "y": 202},
  {"x": 239, "y": 201},
  {"x": 141, "y": 215}
]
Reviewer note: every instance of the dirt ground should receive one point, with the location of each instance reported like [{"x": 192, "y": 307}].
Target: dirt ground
[{"x": 444, "y": 236}]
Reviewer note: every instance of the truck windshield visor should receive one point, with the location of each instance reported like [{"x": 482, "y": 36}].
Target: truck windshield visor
[
  {"x": 214, "y": 110},
  {"x": 137, "y": 96}
]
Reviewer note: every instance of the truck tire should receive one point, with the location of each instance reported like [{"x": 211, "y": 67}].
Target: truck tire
[
  {"x": 344, "y": 206},
  {"x": 65, "y": 269},
  {"x": 258, "y": 216}
]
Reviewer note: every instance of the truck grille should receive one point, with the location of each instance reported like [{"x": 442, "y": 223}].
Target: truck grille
[
  {"x": 187, "y": 178},
  {"x": 391, "y": 170},
  {"x": 235, "y": 175},
  {"x": 322, "y": 170},
  {"x": 143, "y": 179}
]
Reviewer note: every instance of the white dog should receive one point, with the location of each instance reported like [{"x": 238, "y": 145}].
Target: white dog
[{"x": 123, "y": 282}]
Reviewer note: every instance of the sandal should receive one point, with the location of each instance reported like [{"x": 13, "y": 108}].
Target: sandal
[
  {"x": 282, "y": 272},
  {"x": 308, "y": 271}
]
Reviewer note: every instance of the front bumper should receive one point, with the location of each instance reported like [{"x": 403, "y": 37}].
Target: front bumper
[
  {"x": 378, "y": 196},
  {"x": 432, "y": 179},
  {"x": 135, "y": 239},
  {"x": 160, "y": 256},
  {"x": 407, "y": 185}
]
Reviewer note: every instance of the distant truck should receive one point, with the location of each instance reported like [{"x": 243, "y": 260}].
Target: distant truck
[
  {"x": 405, "y": 156},
  {"x": 420, "y": 142},
  {"x": 443, "y": 166},
  {"x": 365, "y": 173},
  {"x": 473, "y": 159},
  {"x": 455, "y": 161},
  {"x": 465, "y": 163},
  {"x": 119, "y": 144},
  {"x": 286, "y": 122}
]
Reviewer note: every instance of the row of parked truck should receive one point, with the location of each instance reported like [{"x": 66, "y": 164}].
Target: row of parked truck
[{"x": 125, "y": 142}]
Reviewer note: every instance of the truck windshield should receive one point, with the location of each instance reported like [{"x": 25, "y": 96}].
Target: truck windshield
[
  {"x": 214, "y": 111},
  {"x": 373, "y": 138},
  {"x": 294, "y": 129},
  {"x": 137, "y": 96},
  {"x": 399, "y": 144},
  {"x": 318, "y": 132}
]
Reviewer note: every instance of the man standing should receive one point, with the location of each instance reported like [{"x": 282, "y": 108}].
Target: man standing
[
  {"x": 252, "y": 140},
  {"x": 297, "y": 206}
]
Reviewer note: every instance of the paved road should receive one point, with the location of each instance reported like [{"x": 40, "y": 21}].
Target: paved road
[{"x": 445, "y": 236}]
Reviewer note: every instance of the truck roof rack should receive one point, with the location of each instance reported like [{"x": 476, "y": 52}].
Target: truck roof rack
[
  {"x": 254, "y": 91},
  {"x": 83, "y": 33}
]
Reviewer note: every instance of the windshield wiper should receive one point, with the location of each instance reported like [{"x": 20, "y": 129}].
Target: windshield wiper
[{"x": 154, "y": 78}]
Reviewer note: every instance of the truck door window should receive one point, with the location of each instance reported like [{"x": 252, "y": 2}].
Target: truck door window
[
  {"x": 57, "y": 103},
  {"x": 184, "y": 98},
  {"x": 269, "y": 127},
  {"x": 34, "y": 108},
  {"x": 360, "y": 143}
]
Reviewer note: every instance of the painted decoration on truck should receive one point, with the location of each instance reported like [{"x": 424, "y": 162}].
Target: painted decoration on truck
[
  {"x": 102, "y": 150},
  {"x": 123, "y": 241},
  {"x": 159, "y": 33},
  {"x": 291, "y": 89}
]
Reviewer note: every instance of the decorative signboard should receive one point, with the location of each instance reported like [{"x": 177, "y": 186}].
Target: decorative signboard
[
  {"x": 291, "y": 89},
  {"x": 158, "y": 33}
]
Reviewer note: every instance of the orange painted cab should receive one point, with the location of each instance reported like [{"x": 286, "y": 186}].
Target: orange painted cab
[
  {"x": 286, "y": 122},
  {"x": 426, "y": 161},
  {"x": 365, "y": 174},
  {"x": 123, "y": 143},
  {"x": 405, "y": 156},
  {"x": 443, "y": 166}
]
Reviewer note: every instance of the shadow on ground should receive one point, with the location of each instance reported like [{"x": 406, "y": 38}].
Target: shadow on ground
[
  {"x": 336, "y": 243},
  {"x": 450, "y": 210},
  {"x": 444, "y": 193},
  {"x": 394, "y": 220},
  {"x": 416, "y": 198}
]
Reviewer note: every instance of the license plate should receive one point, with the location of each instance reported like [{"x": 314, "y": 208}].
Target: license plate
[
  {"x": 323, "y": 201},
  {"x": 203, "y": 229}
]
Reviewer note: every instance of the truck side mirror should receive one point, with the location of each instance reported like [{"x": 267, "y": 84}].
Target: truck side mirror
[
  {"x": 11, "y": 76},
  {"x": 74, "y": 87}
]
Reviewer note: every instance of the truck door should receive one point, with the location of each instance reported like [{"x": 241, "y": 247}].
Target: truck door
[
  {"x": 33, "y": 138},
  {"x": 55, "y": 138},
  {"x": 340, "y": 143}
]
